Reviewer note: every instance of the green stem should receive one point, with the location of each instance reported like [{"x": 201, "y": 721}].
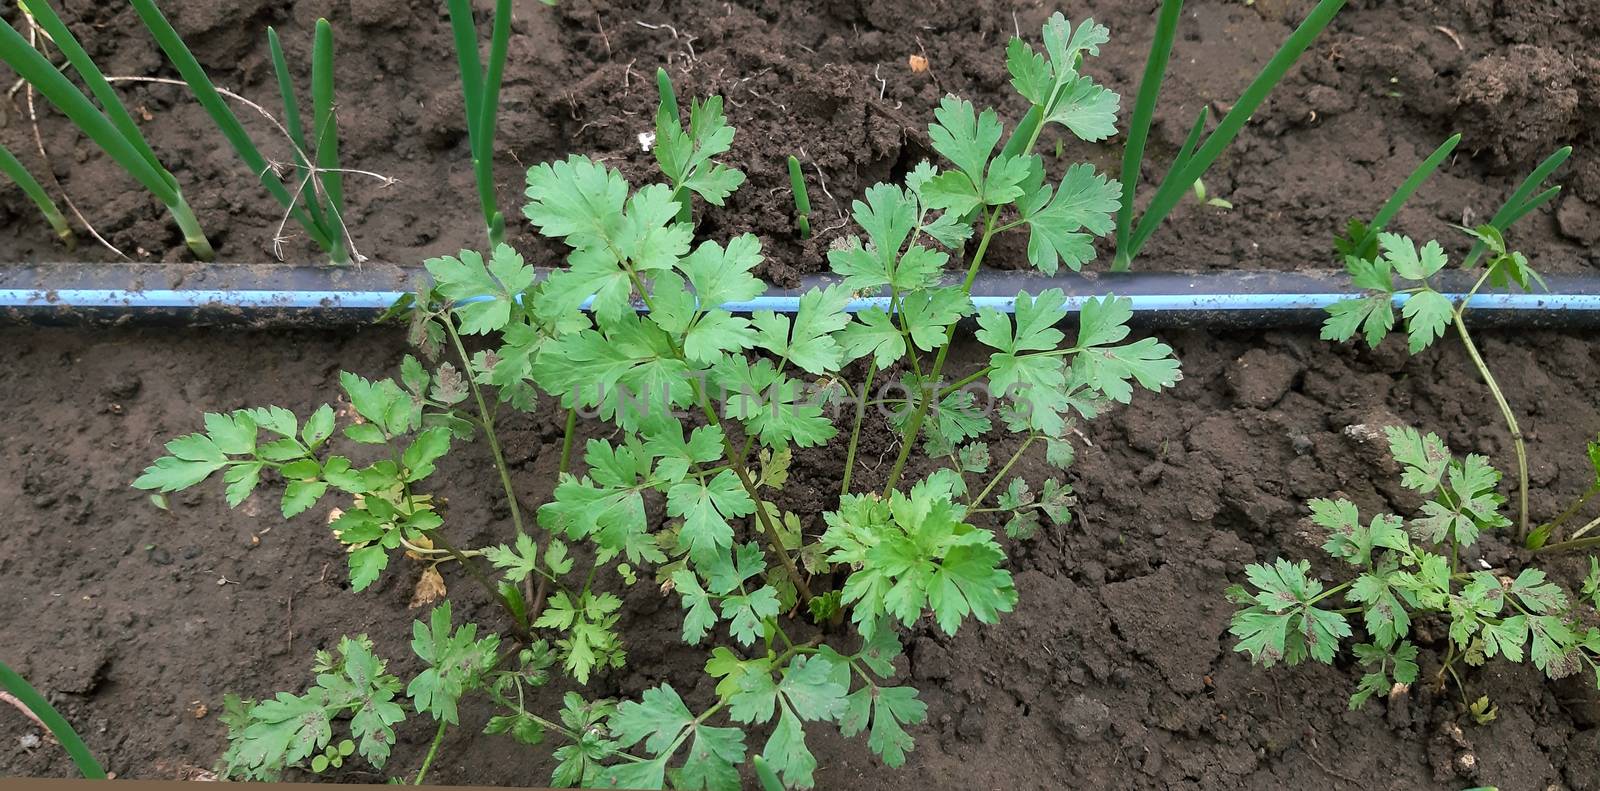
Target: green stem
[
  {"x": 1551, "y": 525},
  {"x": 52, "y": 719},
  {"x": 433, "y": 750},
  {"x": 566, "y": 439},
  {"x": 1003, "y": 470},
  {"x": 855, "y": 428},
  {"x": 193, "y": 236},
  {"x": 487, "y": 419},
  {"x": 909, "y": 438},
  {"x": 1505, "y": 407},
  {"x": 14, "y": 168},
  {"x": 1143, "y": 112},
  {"x": 1575, "y": 543}
]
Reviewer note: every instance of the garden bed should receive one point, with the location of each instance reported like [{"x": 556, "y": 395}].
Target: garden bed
[
  {"x": 831, "y": 83},
  {"x": 1115, "y": 672}
]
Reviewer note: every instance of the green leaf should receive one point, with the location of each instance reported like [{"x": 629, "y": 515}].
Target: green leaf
[
  {"x": 300, "y": 495},
  {"x": 873, "y": 332},
  {"x": 808, "y": 343},
  {"x": 515, "y": 564},
  {"x": 964, "y": 136},
  {"x": 705, "y": 507},
  {"x": 457, "y": 661},
  {"x": 1427, "y": 314},
  {"x": 1407, "y": 261},
  {"x": 1282, "y": 625},
  {"x": 484, "y": 293},
  {"x": 319, "y": 427},
  {"x": 1424, "y": 457},
  {"x": 234, "y": 434},
  {"x": 1348, "y": 539},
  {"x": 171, "y": 474},
  {"x": 657, "y": 719},
  {"x": 1063, "y": 222},
  {"x": 888, "y": 709},
  {"x": 701, "y": 616},
  {"x": 430, "y": 445},
  {"x": 1373, "y": 316},
  {"x": 366, "y": 564}
]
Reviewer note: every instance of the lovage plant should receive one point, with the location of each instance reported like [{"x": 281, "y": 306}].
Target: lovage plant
[
  {"x": 1404, "y": 570},
  {"x": 704, "y": 410}
]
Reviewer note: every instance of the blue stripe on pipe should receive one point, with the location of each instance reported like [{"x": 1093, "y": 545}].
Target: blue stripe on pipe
[{"x": 379, "y": 300}]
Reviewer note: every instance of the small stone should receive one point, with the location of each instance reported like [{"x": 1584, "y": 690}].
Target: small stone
[
  {"x": 122, "y": 386},
  {"x": 1083, "y": 719},
  {"x": 1301, "y": 443},
  {"x": 159, "y": 556}
]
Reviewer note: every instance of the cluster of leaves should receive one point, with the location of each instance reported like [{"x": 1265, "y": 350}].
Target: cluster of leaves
[
  {"x": 1426, "y": 311},
  {"x": 706, "y": 407},
  {"x": 414, "y": 422},
  {"x": 265, "y": 737},
  {"x": 1405, "y": 569}
]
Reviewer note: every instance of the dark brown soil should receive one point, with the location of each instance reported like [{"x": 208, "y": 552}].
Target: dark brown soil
[
  {"x": 830, "y": 82},
  {"x": 1114, "y": 672}
]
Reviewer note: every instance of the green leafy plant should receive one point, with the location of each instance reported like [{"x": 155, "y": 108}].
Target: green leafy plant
[
  {"x": 703, "y": 412},
  {"x": 1072, "y": 103},
  {"x": 685, "y": 155},
  {"x": 802, "y": 200},
  {"x": 108, "y": 125},
  {"x": 1399, "y": 571},
  {"x": 323, "y": 224},
  {"x": 1393, "y": 269},
  {"x": 17, "y": 172},
  {"x": 39, "y": 707}
]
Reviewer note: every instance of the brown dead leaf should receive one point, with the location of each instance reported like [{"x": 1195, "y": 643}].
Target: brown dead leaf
[
  {"x": 918, "y": 63},
  {"x": 430, "y": 588},
  {"x": 420, "y": 542}
]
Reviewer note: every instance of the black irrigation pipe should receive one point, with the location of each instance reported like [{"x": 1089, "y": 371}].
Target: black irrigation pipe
[{"x": 276, "y": 295}]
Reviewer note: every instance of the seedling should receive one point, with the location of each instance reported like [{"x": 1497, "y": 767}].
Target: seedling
[
  {"x": 685, "y": 156},
  {"x": 1196, "y": 157},
  {"x": 17, "y": 172},
  {"x": 1428, "y": 312},
  {"x": 703, "y": 411},
  {"x": 58, "y": 726},
  {"x": 328, "y": 231},
  {"x": 1405, "y": 570},
  {"x": 109, "y": 125},
  {"x": 802, "y": 201},
  {"x": 1201, "y": 195},
  {"x": 480, "y": 91}
]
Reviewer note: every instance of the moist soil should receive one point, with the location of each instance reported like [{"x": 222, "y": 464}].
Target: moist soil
[
  {"x": 831, "y": 82},
  {"x": 1114, "y": 672}
]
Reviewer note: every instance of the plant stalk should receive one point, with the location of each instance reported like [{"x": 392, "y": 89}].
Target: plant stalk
[
  {"x": 855, "y": 429},
  {"x": 909, "y": 439},
  {"x": 433, "y": 750},
  {"x": 1505, "y": 407}
]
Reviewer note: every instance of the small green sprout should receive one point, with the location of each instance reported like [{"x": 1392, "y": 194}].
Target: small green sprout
[
  {"x": 333, "y": 756},
  {"x": 1201, "y": 195},
  {"x": 325, "y": 201},
  {"x": 685, "y": 155},
  {"x": 802, "y": 201},
  {"x": 17, "y": 172}
]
